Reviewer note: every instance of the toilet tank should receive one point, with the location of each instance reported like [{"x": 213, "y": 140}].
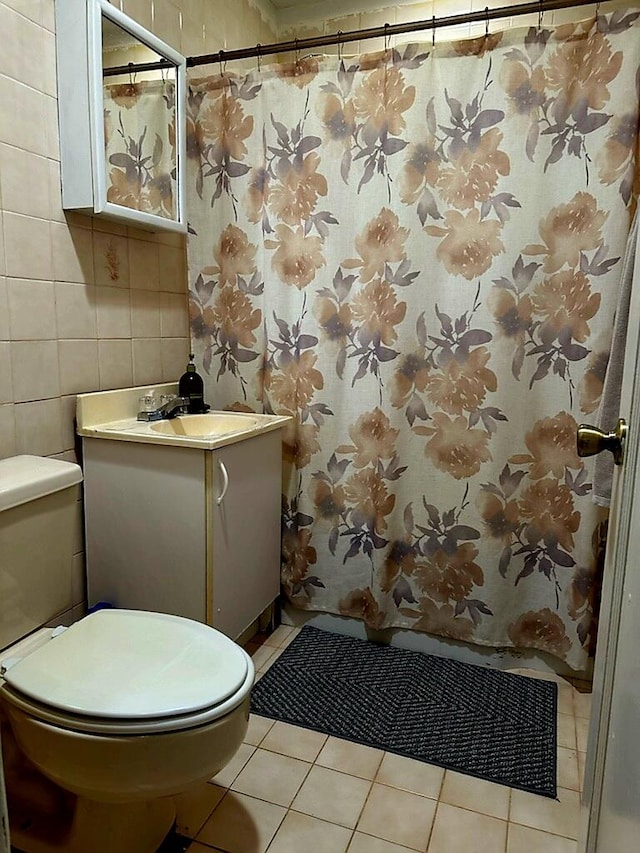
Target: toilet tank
[{"x": 37, "y": 516}]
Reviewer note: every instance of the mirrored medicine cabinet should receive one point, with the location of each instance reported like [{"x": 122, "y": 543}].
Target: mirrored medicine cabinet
[{"x": 121, "y": 96}]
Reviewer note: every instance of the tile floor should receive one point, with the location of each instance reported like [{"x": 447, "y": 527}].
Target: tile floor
[{"x": 291, "y": 790}]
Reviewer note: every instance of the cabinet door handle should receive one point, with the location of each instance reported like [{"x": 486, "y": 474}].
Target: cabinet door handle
[{"x": 225, "y": 482}]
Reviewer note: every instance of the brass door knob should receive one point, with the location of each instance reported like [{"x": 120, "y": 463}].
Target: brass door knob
[{"x": 591, "y": 440}]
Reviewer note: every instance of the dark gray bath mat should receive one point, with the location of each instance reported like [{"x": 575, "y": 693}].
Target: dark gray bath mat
[{"x": 483, "y": 722}]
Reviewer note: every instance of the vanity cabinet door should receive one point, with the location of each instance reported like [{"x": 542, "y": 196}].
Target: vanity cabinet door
[
  {"x": 245, "y": 530},
  {"x": 145, "y": 521}
]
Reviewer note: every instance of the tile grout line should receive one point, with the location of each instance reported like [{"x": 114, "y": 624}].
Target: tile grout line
[
  {"x": 508, "y": 822},
  {"x": 506, "y": 836},
  {"x": 435, "y": 811},
  {"x": 366, "y": 800}
]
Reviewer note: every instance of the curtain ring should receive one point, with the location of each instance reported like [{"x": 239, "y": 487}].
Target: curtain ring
[
  {"x": 486, "y": 22},
  {"x": 132, "y": 74},
  {"x": 297, "y": 54},
  {"x": 433, "y": 31},
  {"x": 258, "y": 50},
  {"x": 340, "y": 45},
  {"x": 386, "y": 37},
  {"x": 221, "y": 59},
  {"x": 540, "y": 14}
]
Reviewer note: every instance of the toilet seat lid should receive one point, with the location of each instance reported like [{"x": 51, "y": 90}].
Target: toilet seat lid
[{"x": 132, "y": 664}]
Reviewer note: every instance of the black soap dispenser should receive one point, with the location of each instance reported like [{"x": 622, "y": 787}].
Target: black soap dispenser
[{"x": 192, "y": 387}]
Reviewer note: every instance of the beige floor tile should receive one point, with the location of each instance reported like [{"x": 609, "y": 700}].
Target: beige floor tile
[
  {"x": 294, "y": 741},
  {"x": 565, "y": 698},
  {"x": 271, "y": 777},
  {"x": 279, "y": 636},
  {"x": 567, "y": 731},
  {"x": 271, "y": 659},
  {"x": 523, "y": 839},
  {"x": 286, "y": 641},
  {"x": 301, "y": 832},
  {"x": 582, "y": 757},
  {"x": 260, "y": 655},
  {"x": 329, "y": 795},
  {"x": 582, "y": 733},
  {"x": 459, "y": 829},
  {"x": 398, "y": 816},
  {"x": 361, "y": 843},
  {"x": 582, "y": 704},
  {"x": 258, "y": 728},
  {"x": 478, "y": 795},
  {"x": 410, "y": 775},
  {"x": 242, "y": 824},
  {"x": 194, "y": 807},
  {"x": 352, "y": 758},
  {"x": 560, "y": 817},
  {"x": 568, "y": 776},
  {"x": 226, "y": 776}
]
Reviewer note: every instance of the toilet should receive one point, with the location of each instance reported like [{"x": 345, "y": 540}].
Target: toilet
[{"x": 120, "y": 711}]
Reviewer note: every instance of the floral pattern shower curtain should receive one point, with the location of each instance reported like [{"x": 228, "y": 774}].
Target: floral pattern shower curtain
[
  {"x": 416, "y": 254},
  {"x": 140, "y": 146}
]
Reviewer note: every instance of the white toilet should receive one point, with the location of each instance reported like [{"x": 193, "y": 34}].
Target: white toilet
[{"x": 123, "y": 709}]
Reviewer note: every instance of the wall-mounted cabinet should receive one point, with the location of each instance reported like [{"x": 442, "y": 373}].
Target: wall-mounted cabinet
[{"x": 121, "y": 96}]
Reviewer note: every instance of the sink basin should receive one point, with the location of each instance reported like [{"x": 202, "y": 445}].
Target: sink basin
[{"x": 205, "y": 425}]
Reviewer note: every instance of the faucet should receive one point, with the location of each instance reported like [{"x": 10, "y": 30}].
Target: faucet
[{"x": 169, "y": 409}]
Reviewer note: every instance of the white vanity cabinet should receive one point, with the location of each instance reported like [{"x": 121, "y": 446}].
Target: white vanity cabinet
[{"x": 185, "y": 531}]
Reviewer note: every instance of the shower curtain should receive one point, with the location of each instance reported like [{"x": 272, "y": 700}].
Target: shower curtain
[
  {"x": 140, "y": 140},
  {"x": 415, "y": 254}
]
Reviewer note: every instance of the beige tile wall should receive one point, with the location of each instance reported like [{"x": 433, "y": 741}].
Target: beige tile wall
[
  {"x": 85, "y": 304},
  {"x": 380, "y": 13}
]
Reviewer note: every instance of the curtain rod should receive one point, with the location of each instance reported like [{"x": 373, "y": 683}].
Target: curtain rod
[
  {"x": 134, "y": 67},
  {"x": 386, "y": 31}
]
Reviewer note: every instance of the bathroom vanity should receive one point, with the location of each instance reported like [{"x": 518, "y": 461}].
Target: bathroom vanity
[{"x": 178, "y": 522}]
